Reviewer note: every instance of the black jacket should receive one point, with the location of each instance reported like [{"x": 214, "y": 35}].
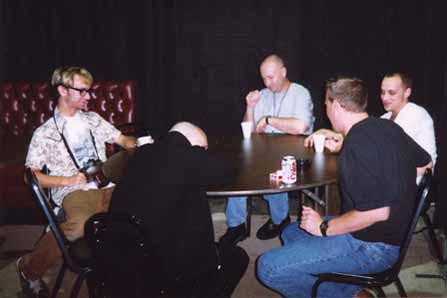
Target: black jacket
[{"x": 165, "y": 186}]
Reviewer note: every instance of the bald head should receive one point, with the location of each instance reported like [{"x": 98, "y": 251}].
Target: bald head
[
  {"x": 194, "y": 134},
  {"x": 274, "y": 74},
  {"x": 273, "y": 59}
]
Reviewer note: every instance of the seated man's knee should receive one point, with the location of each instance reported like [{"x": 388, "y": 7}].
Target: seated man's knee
[
  {"x": 266, "y": 270},
  {"x": 73, "y": 230}
]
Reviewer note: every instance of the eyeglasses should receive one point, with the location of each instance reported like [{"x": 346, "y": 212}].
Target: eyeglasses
[{"x": 82, "y": 92}]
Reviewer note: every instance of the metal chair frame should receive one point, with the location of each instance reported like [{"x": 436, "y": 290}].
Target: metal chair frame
[{"x": 82, "y": 266}]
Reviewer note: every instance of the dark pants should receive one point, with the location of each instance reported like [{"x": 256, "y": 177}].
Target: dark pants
[
  {"x": 219, "y": 282},
  {"x": 125, "y": 267},
  {"x": 131, "y": 281}
]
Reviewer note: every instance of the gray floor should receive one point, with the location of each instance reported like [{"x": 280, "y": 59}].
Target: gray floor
[{"x": 419, "y": 260}]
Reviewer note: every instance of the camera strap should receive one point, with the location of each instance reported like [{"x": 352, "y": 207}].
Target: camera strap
[{"x": 73, "y": 158}]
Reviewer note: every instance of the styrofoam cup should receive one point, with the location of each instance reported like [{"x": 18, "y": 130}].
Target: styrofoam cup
[
  {"x": 144, "y": 140},
  {"x": 319, "y": 142},
  {"x": 247, "y": 127}
]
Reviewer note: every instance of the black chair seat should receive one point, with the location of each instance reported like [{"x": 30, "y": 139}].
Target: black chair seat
[{"x": 380, "y": 279}]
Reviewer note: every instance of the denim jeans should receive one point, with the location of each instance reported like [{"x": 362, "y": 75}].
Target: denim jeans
[
  {"x": 237, "y": 208},
  {"x": 288, "y": 269}
]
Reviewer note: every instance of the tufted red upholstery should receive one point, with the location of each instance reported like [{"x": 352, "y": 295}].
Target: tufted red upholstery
[{"x": 26, "y": 105}]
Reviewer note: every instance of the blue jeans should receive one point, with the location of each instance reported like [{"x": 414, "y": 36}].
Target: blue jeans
[
  {"x": 288, "y": 269},
  {"x": 237, "y": 208}
]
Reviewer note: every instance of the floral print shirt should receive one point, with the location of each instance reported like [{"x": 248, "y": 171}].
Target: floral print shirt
[{"x": 47, "y": 148}]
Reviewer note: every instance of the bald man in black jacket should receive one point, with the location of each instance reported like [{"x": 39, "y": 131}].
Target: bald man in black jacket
[{"x": 165, "y": 187}]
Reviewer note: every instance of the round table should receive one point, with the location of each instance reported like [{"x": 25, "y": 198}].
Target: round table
[{"x": 257, "y": 157}]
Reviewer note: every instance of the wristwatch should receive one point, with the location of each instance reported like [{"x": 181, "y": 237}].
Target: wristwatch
[
  {"x": 267, "y": 119},
  {"x": 323, "y": 228}
]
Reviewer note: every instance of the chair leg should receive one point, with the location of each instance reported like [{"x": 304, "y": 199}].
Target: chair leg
[
  {"x": 77, "y": 285},
  {"x": 94, "y": 285},
  {"x": 315, "y": 288},
  {"x": 60, "y": 277},
  {"x": 380, "y": 292},
  {"x": 432, "y": 235},
  {"x": 400, "y": 288}
]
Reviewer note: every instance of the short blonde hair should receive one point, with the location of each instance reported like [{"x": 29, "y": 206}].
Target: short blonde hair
[{"x": 64, "y": 75}]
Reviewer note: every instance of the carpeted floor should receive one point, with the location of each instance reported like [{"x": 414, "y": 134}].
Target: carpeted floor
[{"x": 418, "y": 260}]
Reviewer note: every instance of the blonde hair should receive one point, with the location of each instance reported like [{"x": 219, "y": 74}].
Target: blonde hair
[{"x": 64, "y": 75}]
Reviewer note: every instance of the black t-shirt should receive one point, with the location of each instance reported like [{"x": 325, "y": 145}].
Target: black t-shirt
[{"x": 377, "y": 167}]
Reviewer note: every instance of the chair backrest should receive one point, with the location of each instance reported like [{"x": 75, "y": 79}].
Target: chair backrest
[
  {"x": 421, "y": 196},
  {"x": 118, "y": 246},
  {"x": 44, "y": 204}
]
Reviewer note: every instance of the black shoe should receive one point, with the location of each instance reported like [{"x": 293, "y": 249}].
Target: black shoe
[
  {"x": 32, "y": 288},
  {"x": 233, "y": 235},
  {"x": 270, "y": 230}
]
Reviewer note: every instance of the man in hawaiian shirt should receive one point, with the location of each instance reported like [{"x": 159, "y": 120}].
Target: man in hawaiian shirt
[{"x": 66, "y": 143}]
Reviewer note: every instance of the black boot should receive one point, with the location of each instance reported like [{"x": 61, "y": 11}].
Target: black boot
[
  {"x": 233, "y": 235},
  {"x": 270, "y": 230}
]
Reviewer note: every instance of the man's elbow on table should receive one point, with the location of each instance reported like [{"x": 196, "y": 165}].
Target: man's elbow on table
[{"x": 297, "y": 127}]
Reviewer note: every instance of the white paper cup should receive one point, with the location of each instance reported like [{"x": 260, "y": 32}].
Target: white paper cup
[
  {"x": 247, "y": 127},
  {"x": 144, "y": 140},
  {"x": 319, "y": 142}
]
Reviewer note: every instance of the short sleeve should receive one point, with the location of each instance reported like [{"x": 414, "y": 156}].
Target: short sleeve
[
  {"x": 304, "y": 108},
  {"x": 107, "y": 132},
  {"x": 37, "y": 152}
]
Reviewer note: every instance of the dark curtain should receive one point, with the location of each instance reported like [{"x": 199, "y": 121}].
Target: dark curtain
[
  {"x": 1, "y": 42},
  {"x": 196, "y": 60}
]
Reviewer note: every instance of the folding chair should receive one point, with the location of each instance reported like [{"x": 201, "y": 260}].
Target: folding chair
[
  {"x": 384, "y": 278},
  {"x": 76, "y": 255}
]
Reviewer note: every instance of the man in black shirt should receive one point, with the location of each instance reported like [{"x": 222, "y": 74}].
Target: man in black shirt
[
  {"x": 377, "y": 174},
  {"x": 164, "y": 185}
]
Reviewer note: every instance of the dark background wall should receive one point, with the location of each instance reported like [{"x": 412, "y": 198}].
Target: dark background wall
[{"x": 195, "y": 60}]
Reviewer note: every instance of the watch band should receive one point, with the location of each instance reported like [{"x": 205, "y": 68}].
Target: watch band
[
  {"x": 323, "y": 228},
  {"x": 267, "y": 119}
]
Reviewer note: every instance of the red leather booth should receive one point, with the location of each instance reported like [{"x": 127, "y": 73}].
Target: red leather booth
[{"x": 26, "y": 105}]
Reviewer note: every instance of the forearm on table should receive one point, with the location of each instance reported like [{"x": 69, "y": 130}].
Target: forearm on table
[
  {"x": 355, "y": 220},
  {"x": 291, "y": 126},
  {"x": 127, "y": 142}
]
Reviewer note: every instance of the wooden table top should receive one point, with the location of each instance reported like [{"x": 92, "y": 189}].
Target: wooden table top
[{"x": 260, "y": 155}]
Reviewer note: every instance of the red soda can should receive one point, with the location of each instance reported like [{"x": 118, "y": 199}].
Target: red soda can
[{"x": 288, "y": 166}]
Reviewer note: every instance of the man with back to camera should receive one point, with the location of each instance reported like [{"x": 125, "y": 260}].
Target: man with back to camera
[
  {"x": 65, "y": 144},
  {"x": 377, "y": 171},
  {"x": 281, "y": 107},
  {"x": 165, "y": 186},
  {"x": 396, "y": 90}
]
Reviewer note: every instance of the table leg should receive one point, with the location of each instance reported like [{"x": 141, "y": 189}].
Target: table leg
[
  {"x": 326, "y": 199},
  {"x": 249, "y": 211}
]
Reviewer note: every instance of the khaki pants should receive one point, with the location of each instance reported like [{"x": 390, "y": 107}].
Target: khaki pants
[{"x": 79, "y": 206}]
